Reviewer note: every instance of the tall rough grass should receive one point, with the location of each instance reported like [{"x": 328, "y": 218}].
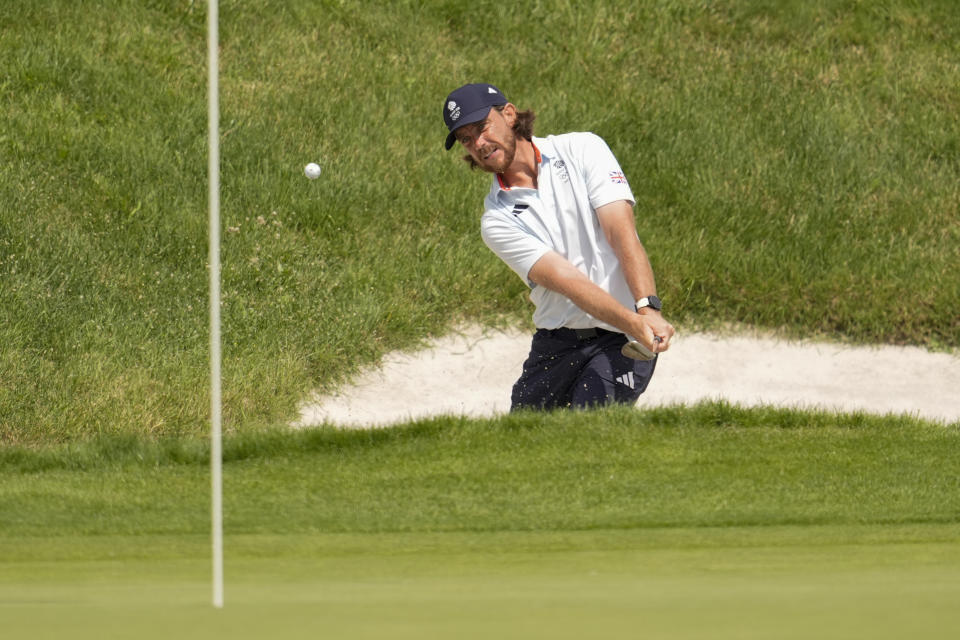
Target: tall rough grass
[{"x": 795, "y": 165}]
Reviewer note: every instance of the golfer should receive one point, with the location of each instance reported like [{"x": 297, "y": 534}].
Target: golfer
[{"x": 560, "y": 214}]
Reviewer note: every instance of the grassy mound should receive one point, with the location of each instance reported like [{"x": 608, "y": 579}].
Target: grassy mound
[{"x": 795, "y": 167}]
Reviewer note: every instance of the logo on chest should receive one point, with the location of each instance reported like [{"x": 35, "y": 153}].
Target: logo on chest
[{"x": 560, "y": 167}]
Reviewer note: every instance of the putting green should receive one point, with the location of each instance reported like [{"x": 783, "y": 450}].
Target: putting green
[{"x": 869, "y": 581}]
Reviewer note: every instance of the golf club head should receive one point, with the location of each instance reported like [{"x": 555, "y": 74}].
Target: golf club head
[{"x": 638, "y": 351}]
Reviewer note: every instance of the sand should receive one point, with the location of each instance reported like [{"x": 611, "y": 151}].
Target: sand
[{"x": 472, "y": 371}]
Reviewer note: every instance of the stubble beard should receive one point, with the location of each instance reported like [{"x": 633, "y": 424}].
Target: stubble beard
[{"x": 509, "y": 149}]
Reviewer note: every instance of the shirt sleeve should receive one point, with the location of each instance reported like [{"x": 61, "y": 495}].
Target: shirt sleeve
[
  {"x": 513, "y": 243},
  {"x": 605, "y": 179}
]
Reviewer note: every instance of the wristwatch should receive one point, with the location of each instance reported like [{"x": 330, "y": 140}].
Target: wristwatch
[{"x": 650, "y": 301}]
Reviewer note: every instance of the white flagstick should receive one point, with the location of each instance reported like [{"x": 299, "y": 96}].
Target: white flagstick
[{"x": 216, "y": 455}]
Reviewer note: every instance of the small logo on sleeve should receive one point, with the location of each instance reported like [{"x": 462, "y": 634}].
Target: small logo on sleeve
[
  {"x": 519, "y": 208},
  {"x": 617, "y": 177}
]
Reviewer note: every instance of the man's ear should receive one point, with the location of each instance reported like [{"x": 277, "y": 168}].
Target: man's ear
[{"x": 510, "y": 114}]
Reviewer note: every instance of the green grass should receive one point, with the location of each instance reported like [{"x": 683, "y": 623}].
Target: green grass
[
  {"x": 784, "y": 582},
  {"x": 713, "y": 465},
  {"x": 795, "y": 166},
  {"x": 711, "y": 522}
]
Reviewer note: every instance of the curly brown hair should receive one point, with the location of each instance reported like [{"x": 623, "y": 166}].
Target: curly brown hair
[{"x": 523, "y": 127}]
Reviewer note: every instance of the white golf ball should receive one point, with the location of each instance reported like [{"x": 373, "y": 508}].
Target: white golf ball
[{"x": 312, "y": 171}]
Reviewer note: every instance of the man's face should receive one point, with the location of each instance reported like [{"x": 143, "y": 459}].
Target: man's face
[{"x": 491, "y": 142}]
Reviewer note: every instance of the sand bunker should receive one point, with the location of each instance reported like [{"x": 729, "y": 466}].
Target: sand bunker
[{"x": 471, "y": 373}]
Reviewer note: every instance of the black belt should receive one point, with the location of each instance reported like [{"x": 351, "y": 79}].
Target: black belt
[{"x": 565, "y": 333}]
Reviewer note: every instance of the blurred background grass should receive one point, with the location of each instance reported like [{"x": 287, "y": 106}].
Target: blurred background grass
[{"x": 795, "y": 166}]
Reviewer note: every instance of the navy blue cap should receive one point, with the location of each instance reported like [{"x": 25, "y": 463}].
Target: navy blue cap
[{"x": 468, "y": 104}]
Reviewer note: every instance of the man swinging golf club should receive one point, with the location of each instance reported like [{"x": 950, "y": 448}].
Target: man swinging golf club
[{"x": 560, "y": 214}]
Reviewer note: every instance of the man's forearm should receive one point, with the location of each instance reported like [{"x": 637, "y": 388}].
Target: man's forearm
[
  {"x": 616, "y": 220},
  {"x": 556, "y": 273}
]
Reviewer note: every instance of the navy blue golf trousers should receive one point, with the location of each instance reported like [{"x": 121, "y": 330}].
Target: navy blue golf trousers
[{"x": 579, "y": 368}]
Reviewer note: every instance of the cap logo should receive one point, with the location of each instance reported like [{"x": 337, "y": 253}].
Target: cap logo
[
  {"x": 491, "y": 90},
  {"x": 454, "y": 110}
]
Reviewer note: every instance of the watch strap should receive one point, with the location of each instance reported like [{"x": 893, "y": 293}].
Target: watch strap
[{"x": 649, "y": 301}]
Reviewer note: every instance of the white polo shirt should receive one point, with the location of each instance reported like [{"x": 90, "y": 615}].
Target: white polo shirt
[{"x": 577, "y": 174}]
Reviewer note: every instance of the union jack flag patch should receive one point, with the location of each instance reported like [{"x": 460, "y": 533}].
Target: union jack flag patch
[{"x": 618, "y": 177}]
